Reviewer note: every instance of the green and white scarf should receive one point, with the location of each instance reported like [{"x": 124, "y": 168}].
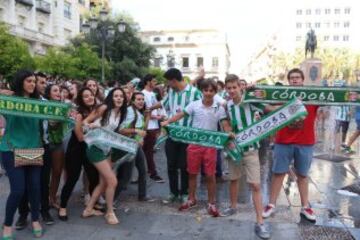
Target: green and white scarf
[
  {"x": 105, "y": 139},
  {"x": 28, "y": 107},
  {"x": 309, "y": 95}
]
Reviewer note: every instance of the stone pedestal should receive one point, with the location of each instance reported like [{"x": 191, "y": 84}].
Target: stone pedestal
[{"x": 312, "y": 69}]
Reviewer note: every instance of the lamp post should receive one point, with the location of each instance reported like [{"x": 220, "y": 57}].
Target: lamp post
[{"x": 105, "y": 31}]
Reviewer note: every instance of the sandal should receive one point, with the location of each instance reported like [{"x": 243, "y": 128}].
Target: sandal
[
  {"x": 111, "y": 219},
  {"x": 91, "y": 213}
]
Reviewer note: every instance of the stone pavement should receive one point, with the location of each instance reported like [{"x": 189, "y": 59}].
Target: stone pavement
[{"x": 339, "y": 215}]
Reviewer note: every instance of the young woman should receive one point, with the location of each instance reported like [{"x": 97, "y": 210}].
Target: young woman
[
  {"x": 133, "y": 126},
  {"x": 65, "y": 94},
  {"x": 93, "y": 85},
  {"x": 74, "y": 89},
  {"x": 56, "y": 130},
  {"x": 109, "y": 115},
  {"x": 75, "y": 156},
  {"x": 22, "y": 132}
]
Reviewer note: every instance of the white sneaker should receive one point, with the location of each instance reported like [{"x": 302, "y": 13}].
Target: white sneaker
[
  {"x": 308, "y": 213},
  {"x": 268, "y": 210}
]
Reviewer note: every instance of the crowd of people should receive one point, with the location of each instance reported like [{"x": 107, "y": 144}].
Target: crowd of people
[{"x": 138, "y": 110}]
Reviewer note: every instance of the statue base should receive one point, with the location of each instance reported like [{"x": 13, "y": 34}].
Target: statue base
[{"x": 312, "y": 69}]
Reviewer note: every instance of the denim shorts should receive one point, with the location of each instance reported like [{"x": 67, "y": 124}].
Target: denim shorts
[{"x": 286, "y": 154}]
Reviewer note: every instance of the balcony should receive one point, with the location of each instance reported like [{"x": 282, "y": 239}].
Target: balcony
[
  {"x": 28, "y": 3},
  {"x": 43, "y": 6},
  {"x": 31, "y": 35}
]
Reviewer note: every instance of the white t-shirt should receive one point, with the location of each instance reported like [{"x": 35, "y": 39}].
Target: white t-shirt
[
  {"x": 219, "y": 99},
  {"x": 205, "y": 117},
  {"x": 150, "y": 100}
]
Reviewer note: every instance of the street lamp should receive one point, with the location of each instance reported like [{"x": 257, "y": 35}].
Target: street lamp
[{"x": 105, "y": 31}]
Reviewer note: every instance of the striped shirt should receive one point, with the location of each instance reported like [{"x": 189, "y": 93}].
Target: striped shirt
[
  {"x": 343, "y": 113},
  {"x": 243, "y": 115},
  {"x": 176, "y": 101}
]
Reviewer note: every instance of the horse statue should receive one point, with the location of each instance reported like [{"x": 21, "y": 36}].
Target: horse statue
[{"x": 311, "y": 43}]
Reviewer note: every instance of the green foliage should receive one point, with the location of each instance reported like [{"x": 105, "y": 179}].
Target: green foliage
[
  {"x": 14, "y": 54},
  {"x": 129, "y": 57},
  {"x": 71, "y": 63},
  {"x": 158, "y": 73}
]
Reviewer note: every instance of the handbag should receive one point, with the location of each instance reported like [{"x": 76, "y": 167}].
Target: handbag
[{"x": 28, "y": 157}]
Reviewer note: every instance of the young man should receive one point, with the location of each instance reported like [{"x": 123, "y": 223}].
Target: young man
[
  {"x": 347, "y": 146},
  {"x": 294, "y": 143},
  {"x": 179, "y": 96},
  {"x": 149, "y": 82},
  {"x": 206, "y": 113},
  {"x": 241, "y": 116}
]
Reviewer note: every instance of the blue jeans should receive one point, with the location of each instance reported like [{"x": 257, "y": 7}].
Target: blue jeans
[{"x": 21, "y": 178}]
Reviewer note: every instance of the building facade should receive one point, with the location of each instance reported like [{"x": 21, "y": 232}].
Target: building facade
[
  {"x": 41, "y": 23},
  {"x": 190, "y": 50},
  {"x": 335, "y": 24}
]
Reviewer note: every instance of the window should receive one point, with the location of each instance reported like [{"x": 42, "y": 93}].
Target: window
[
  {"x": 318, "y": 11},
  {"x": 185, "y": 62},
  {"x": 346, "y": 38},
  {"x": 346, "y": 24},
  {"x": 308, "y": 25},
  {"x": 317, "y": 25},
  {"x": 41, "y": 27},
  {"x": 298, "y": 38},
  {"x": 157, "y": 61},
  {"x": 199, "y": 61},
  {"x": 170, "y": 39},
  {"x": 215, "y": 62},
  {"x": 326, "y": 38},
  {"x": 21, "y": 20},
  {"x": 336, "y": 24},
  {"x": 187, "y": 38},
  {"x": 308, "y": 11},
  {"x": 337, "y": 11},
  {"x": 298, "y": 25},
  {"x": 347, "y": 10},
  {"x": 327, "y": 11},
  {"x": 298, "y": 12},
  {"x": 67, "y": 10},
  {"x": 336, "y": 38},
  {"x": 156, "y": 39},
  {"x": 82, "y": 2}
]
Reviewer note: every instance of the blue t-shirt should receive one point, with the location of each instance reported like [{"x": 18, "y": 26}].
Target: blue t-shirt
[{"x": 357, "y": 113}]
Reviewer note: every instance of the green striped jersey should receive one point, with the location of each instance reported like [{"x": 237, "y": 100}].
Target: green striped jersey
[
  {"x": 176, "y": 101},
  {"x": 343, "y": 113},
  {"x": 242, "y": 115}
]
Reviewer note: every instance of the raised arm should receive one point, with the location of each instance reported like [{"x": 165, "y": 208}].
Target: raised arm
[{"x": 94, "y": 115}]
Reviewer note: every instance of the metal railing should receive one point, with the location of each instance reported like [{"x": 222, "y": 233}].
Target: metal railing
[
  {"x": 43, "y": 6},
  {"x": 26, "y": 2}
]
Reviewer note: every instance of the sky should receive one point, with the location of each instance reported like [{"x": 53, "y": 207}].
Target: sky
[{"x": 247, "y": 23}]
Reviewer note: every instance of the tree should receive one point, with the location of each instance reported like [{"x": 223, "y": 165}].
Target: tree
[
  {"x": 71, "y": 62},
  {"x": 14, "y": 54},
  {"x": 158, "y": 73},
  {"x": 128, "y": 56}
]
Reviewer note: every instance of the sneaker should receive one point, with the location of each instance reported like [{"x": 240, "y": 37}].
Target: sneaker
[
  {"x": 187, "y": 205},
  {"x": 212, "y": 210},
  {"x": 101, "y": 200},
  {"x": 47, "y": 218},
  {"x": 21, "y": 223},
  {"x": 268, "y": 210},
  {"x": 157, "y": 179},
  {"x": 228, "y": 212},
  {"x": 308, "y": 213},
  {"x": 146, "y": 199},
  {"x": 183, "y": 198},
  {"x": 170, "y": 199},
  {"x": 262, "y": 231}
]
